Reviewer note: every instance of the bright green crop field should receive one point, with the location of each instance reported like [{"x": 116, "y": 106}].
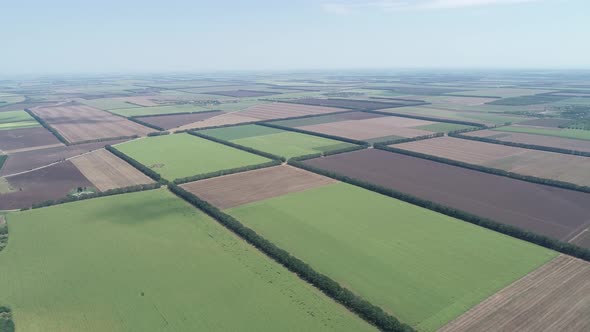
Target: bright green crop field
[
  {"x": 276, "y": 141},
  {"x": 565, "y": 133},
  {"x": 423, "y": 267},
  {"x": 153, "y": 110},
  {"x": 148, "y": 261},
  {"x": 182, "y": 155},
  {"x": 16, "y": 120}
]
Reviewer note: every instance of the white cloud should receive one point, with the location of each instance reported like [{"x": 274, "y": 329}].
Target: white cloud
[{"x": 395, "y": 5}]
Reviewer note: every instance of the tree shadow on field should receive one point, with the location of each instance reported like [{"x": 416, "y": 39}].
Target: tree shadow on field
[{"x": 140, "y": 211}]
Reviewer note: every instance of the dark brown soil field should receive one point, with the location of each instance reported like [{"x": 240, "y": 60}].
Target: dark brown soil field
[
  {"x": 24, "y": 161},
  {"x": 549, "y": 123},
  {"x": 555, "y": 212},
  {"x": 554, "y": 297},
  {"x": 550, "y": 141},
  {"x": 25, "y": 138},
  {"x": 243, "y": 93},
  {"x": 358, "y": 105},
  {"x": 242, "y": 188},
  {"x": 177, "y": 120},
  {"x": 47, "y": 183}
]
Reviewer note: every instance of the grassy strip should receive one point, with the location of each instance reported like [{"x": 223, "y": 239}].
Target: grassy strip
[
  {"x": 6, "y": 323},
  {"x": 110, "y": 192},
  {"x": 145, "y": 124},
  {"x": 141, "y": 167},
  {"x": 331, "y": 288},
  {"x": 494, "y": 171},
  {"x": 301, "y": 131},
  {"x": 522, "y": 145},
  {"x": 426, "y": 118},
  {"x": 541, "y": 240},
  {"x": 226, "y": 172},
  {"x": 48, "y": 127},
  {"x": 237, "y": 146}
]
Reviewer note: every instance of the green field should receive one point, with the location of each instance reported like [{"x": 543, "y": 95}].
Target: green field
[
  {"x": 565, "y": 133},
  {"x": 153, "y": 110},
  {"x": 278, "y": 142},
  {"x": 108, "y": 103},
  {"x": 16, "y": 120},
  {"x": 148, "y": 261},
  {"x": 488, "y": 118},
  {"x": 182, "y": 155},
  {"x": 423, "y": 267}
]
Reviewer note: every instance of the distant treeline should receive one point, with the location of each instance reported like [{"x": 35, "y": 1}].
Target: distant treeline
[
  {"x": 307, "y": 132},
  {"x": 145, "y": 124},
  {"x": 6, "y": 323},
  {"x": 485, "y": 169},
  {"x": 3, "y": 158},
  {"x": 363, "y": 308},
  {"x": 237, "y": 146},
  {"x": 522, "y": 145},
  {"x": 141, "y": 167},
  {"x": 544, "y": 241},
  {"x": 3, "y": 237},
  {"x": 226, "y": 172},
  {"x": 158, "y": 133},
  {"x": 330, "y": 153},
  {"x": 110, "y": 192},
  {"x": 407, "y": 140}
]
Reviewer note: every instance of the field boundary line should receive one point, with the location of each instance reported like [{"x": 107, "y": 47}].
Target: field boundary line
[
  {"x": 486, "y": 169},
  {"x": 312, "y": 133},
  {"x": 512, "y": 231},
  {"x": 522, "y": 145},
  {"x": 427, "y": 118},
  {"x": 369, "y": 312}
]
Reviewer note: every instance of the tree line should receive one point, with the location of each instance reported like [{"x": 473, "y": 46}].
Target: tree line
[
  {"x": 141, "y": 167},
  {"x": 236, "y": 146},
  {"x": 110, "y": 192},
  {"x": 48, "y": 127},
  {"x": 522, "y": 145},
  {"x": 312, "y": 133},
  {"x": 145, "y": 124},
  {"x": 489, "y": 170},
  {"x": 544, "y": 241},
  {"x": 407, "y": 140},
  {"x": 6, "y": 322},
  {"x": 226, "y": 172},
  {"x": 427, "y": 118},
  {"x": 363, "y": 308}
]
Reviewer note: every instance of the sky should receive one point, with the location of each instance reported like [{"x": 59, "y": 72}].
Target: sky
[{"x": 108, "y": 36}]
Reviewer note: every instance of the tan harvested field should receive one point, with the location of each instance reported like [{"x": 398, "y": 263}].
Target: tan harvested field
[
  {"x": 549, "y": 165},
  {"x": 107, "y": 171},
  {"x": 550, "y": 141},
  {"x": 242, "y": 188},
  {"x": 372, "y": 128},
  {"x": 78, "y": 123},
  {"x": 555, "y": 297},
  {"x": 261, "y": 112}
]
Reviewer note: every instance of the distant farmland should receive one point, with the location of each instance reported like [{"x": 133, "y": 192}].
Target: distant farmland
[
  {"x": 276, "y": 141},
  {"x": 534, "y": 139},
  {"x": 105, "y": 265},
  {"x": 549, "y": 165},
  {"x": 550, "y": 211},
  {"x": 182, "y": 155},
  {"x": 423, "y": 267},
  {"x": 152, "y": 110},
  {"x": 557, "y": 132}
]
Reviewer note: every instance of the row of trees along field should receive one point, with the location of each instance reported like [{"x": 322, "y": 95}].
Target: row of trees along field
[
  {"x": 363, "y": 308},
  {"x": 141, "y": 167},
  {"x": 544, "y": 241}
]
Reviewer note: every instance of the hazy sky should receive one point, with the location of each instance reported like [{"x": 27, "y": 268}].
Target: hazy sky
[{"x": 172, "y": 35}]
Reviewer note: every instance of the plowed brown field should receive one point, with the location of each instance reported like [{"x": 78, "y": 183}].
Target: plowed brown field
[
  {"x": 241, "y": 188},
  {"x": 555, "y": 142},
  {"x": 107, "y": 171},
  {"x": 555, "y": 297},
  {"x": 25, "y": 138},
  {"x": 80, "y": 123}
]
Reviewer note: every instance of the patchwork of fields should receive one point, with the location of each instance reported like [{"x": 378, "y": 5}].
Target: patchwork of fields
[
  {"x": 104, "y": 265},
  {"x": 114, "y": 218},
  {"x": 182, "y": 155},
  {"x": 276, "y": 141}
]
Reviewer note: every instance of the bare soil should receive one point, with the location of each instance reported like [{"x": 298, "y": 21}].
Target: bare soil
[
  {"x": 555, "y": 297},
  {"x": 177, "y": 120},
  {"x": 550, "y": 141},
  {"x": 107, "y": 171},
  {"x": 51, "y": 182},
  {"x": 25, "y": 138},
  {"x": 242, "y": 188},
  {"x": 554, "y": 212}
]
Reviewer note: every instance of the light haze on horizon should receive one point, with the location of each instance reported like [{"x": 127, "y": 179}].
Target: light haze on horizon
[{"x": 64, "y": 36}]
